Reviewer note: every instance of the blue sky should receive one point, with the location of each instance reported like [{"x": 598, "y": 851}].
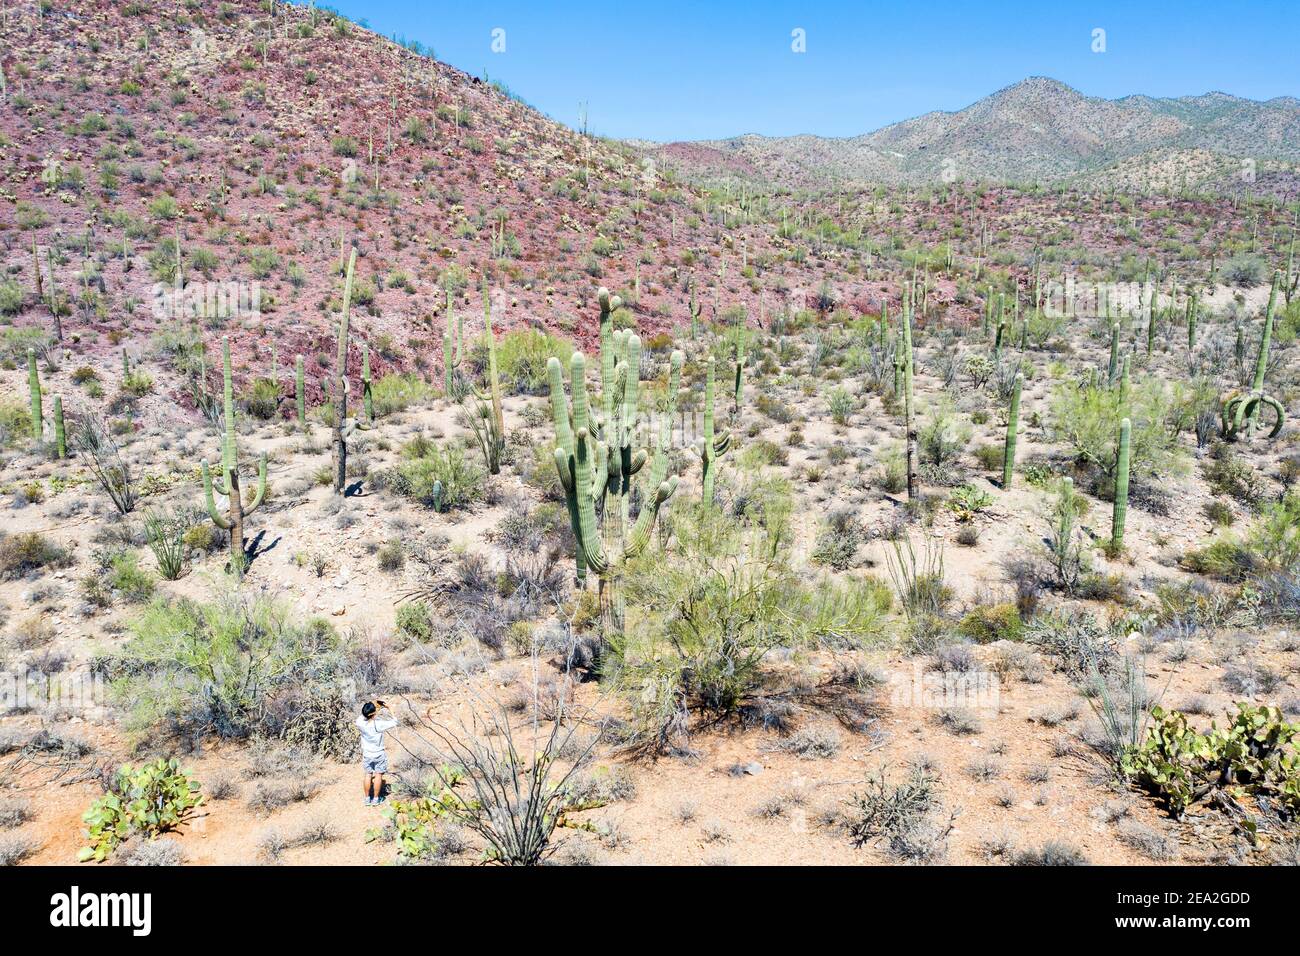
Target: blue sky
[{"x": 670, "y": 70}]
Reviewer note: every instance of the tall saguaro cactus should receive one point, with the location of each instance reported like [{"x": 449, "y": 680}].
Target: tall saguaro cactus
[
  {"x": 299, "y": 391},
  {"x": 34, "y": 388},
  {"x": 909, "y": 424},
  {"x": 1013, "y": 420},
  {"x": 367, "y": 393},
  {"x": 597, "y": 461},
  {"x": 343, "y": 425},
  {"x": 60, "y": 433},
  {"x": 1113, "y": 368},
  {"x": 1120, "y": 512},
  {"x": 710, "y": 447},
  {"x": 236, "y": 509}
]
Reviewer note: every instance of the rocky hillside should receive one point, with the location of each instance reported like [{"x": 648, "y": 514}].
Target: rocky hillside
[{"x": 1037, "y": 130}]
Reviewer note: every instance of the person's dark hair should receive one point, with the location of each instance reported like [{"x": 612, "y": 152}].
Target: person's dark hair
[{"x": 368, "y": 709}]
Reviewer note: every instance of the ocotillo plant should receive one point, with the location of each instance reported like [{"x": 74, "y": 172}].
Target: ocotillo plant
[
  {"x": 34, "y": 388},
  {"x": 343, "y": 426},
  {"x": 710, "y": 447},
  {"x": 1243, "y": 409},
  {"x": 60, "y": 435},
  {"x": 236, "y": 509},
  {"x": 1013, "y": 419},
  {"x": 299, "y": 391},
  {"x": 596, "y": 475},
  {"x": 1120, "y": 511}
]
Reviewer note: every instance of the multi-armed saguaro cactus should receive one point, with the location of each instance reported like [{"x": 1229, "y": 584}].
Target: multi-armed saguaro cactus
[
  {"x": 596, "y": 461},
  {"x": 1013, "y": 419},
  {"x": 710, "y": 447},
  {"x": 236, "y": 509},
  {"x": 1242, "y": 410},
  {"x": 343, "y": 426},
  {"x": 1121, "y": 487},
  {"x": 34, "y": 387}
]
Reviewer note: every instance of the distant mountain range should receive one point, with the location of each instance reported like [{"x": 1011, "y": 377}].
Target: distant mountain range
[{"x": 1038, "y": 130}]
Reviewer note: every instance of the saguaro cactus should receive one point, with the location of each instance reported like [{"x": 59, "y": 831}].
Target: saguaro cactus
[
  {"x": 597, "y": 474},
  {"x": 710, "y": 447},
  {"x": 1113, "y": 369},
  {"x": 34, "y": 388},
  {"x": 1013, "y": 419},
  {"x": 739, "y": 382},
  {"x": 343, "y": 425},
  {"x": 1193, "y": 306},
  {"x": 299, "y": 391},
  {"x": 367, "y": 394},
  {"x": 1120, "y": 511},
  {"x": 908, "y": 423},
  {"x": 236, "y": 509},
  {"x": 1243, "y": 409},
  {"x": 60, "y": 433}
]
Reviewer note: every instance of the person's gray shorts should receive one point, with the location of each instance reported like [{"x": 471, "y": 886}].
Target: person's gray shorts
[{"x": 375, "y": 764}]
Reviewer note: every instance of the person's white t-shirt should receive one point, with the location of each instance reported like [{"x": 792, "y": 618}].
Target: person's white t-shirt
[{"x": 372, "y": 734}]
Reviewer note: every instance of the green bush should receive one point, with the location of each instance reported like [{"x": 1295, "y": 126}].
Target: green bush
[
  {"x": 1088, "y": 419},
  {"x": 234, "y": 667},
  {"x": 992, "y": 622},
  {"x": 132, "y": 581},
  {"x": 443, "y": 479},
  {"x": 262, "y": 399},
  {"x": 521, "y": 359},
  {"x": 397, "y": 391},
  {"x": 415, "y": 622},
  {"x": 154, "y": 799},
  {"x": 11, "y": 297},
  {"x": 30, "y": 551}
]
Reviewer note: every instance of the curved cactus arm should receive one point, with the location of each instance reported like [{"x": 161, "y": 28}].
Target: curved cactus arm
[
  {"x": 721, "y": 443},
  {"x": 1228, "y": 414},
  {"x": 640, "y": 535},
  {"x": 260, "y": 495},
  {"x": 1249, "y": 409},
  {"x": 586, "y": 450},
  {"x": 218, "y": 519},
  {"x": 559, "y": 407}
]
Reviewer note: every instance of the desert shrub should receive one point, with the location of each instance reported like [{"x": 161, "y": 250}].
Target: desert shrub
[
  {"x": 262, "y": 398},
  {"x": 521, "y": 359},
  {"x": 892, "y": 477},
  {"x": 1244, "y": 270},
  {"x": 704, "y": 613},
  {"x": 1051, "y": 853},
  {"x": 838, "y": 540},
  {"x": 11, "y": 297},
  {"x": 231, "y": 668},
  {"x": 129, "y": 579},
  {"x": 942, "y": 437},
  {"x": 905, "y": 816},
  {"x": 992, "y": 622},
  {"x": 154, "y": 799},
  {"x": 442, "y": 479},
  {"x": 840, "y": 403},
  {"x": 415, "y": 621},
  {"x": 398, "y": 391},
  {"x": 1228, "y": 475},
  {"x": 392, "y": 555},
  {"x": 29, "y": 551},
  {"x": 967, "y": 501},
  {"x": 1272, "y": 543},
  {"x": 1088, "y": 419}
]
